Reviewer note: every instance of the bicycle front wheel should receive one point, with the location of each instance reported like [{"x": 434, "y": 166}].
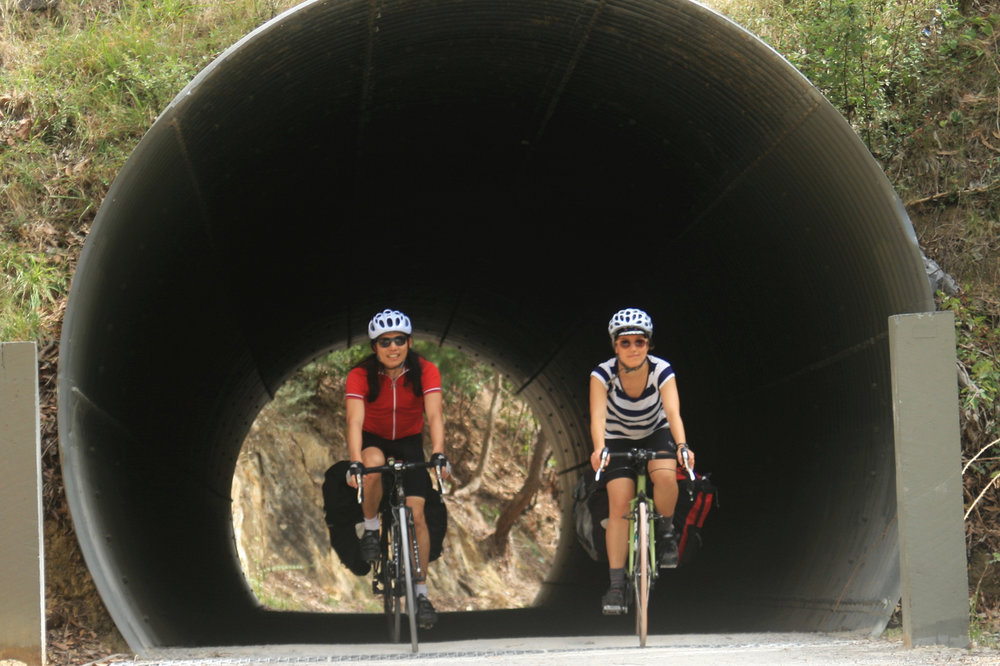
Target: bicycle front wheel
[
  {"x": 643, "y": 574},
  {"x": 407, "y": 546}
]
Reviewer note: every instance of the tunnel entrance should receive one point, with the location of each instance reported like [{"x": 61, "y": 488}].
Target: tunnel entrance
[
  {"x": 490, "y": 439},
  {"x": 514, "y": 173}
]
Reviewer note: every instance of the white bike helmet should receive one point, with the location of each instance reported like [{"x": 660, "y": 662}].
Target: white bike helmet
[
  {"x": 389, "y": 321},
  {"x": 630, "y": 321}
]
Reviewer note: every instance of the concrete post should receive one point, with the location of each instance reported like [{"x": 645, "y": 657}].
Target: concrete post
[
  {"x": 22, "y": 587},
  {"x": 933, "y": 568}
]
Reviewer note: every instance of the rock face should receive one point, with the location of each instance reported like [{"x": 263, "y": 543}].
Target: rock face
[{"x": 278, "y": 520}]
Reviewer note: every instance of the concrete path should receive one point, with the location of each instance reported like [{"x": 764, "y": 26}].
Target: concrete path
[{"x": 742, "y": 649}]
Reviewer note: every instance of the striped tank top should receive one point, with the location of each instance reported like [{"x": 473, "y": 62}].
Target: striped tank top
[{"x": 634, "y": 418}]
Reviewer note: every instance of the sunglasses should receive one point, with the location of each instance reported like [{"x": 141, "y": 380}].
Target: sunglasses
[
  {"x": 638, "y": 342},
  {"x": 400, "y": 340}
]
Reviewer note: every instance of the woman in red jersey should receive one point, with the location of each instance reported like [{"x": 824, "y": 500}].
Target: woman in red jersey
[{"x": 389, "y": 394}]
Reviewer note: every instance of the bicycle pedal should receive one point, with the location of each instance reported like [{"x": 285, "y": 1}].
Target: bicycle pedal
[{"x": 614, "y": 609}]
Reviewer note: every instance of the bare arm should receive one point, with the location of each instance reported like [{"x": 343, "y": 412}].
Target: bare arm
[
  {"x": 355, "y": 419},
  {"x": 672, "y": 408},
  {"x": 434, "y": 410},
  {"x": 598, "y": 418}
]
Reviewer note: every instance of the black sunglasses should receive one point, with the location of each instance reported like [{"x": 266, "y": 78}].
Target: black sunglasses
[
  {"x": 639, "y": 343},
  {"x": 400, "y": 340}
]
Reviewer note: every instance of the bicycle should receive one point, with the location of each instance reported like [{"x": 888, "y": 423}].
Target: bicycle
[
  {"x": 641, "y": 571},
  {"x": 395, "y": 574}
]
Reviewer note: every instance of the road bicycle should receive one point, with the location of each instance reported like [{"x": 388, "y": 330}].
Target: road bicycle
[
  {"x": 398, "y": 567},
  {"x": 641, "y": 570}
]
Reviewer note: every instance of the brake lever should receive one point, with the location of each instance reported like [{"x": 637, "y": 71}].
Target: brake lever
[
  {"x": 685, "y": 456},
  {"x": 604, "y": 461}
]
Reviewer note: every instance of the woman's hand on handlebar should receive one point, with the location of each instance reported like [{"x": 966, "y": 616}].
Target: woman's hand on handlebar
[
  {"x": 686, "y": 464},
  {"x": 595, "y": 461},
  {"x": 440, "y": 461},
  {"x": 354, "y": 471}
]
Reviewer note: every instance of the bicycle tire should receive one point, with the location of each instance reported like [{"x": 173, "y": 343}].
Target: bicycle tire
[
  {"x": 642, "y": 575},
  {"x": 408, "y": 540}
]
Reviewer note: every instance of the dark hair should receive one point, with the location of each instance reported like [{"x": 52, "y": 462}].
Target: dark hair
[{"x": 411, "y": 377}]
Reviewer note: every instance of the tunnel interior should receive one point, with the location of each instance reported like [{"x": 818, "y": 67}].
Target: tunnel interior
[{"x": 509, "y": 174}]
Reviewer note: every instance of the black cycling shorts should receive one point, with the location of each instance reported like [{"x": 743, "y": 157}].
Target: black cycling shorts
[
  {"x": 416, "y": 482},
  {"x": 658, "y": 440}
]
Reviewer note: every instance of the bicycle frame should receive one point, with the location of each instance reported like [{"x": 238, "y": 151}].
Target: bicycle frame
[
  {"x": 641, "y": 571},
  {"x": 398, "y": 545},
  {"x": 634, "y": 523}
]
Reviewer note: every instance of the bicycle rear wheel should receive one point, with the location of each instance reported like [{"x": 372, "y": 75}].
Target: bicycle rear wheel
[
  {"x": 643, "y": 574},
  {"x": 407, "y": 544}
]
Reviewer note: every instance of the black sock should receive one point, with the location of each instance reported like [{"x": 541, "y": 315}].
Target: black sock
[
  {"x": 617, "y": 577},
  {"x": 665, "y": 525}
]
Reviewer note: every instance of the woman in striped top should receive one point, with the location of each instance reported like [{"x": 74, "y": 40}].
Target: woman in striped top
[{"x": 634, "y": 404}]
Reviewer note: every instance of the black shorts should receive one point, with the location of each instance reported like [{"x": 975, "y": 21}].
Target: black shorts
[
  {"x": 416, "y": 482},
  {"x": 658, "y": 440}
]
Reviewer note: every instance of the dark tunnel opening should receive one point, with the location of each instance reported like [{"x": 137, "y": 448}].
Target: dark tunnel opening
[{"x": 510, "y": 174}]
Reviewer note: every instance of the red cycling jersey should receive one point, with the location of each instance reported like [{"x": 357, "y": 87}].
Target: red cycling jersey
[{"x": 396, "y": 412}]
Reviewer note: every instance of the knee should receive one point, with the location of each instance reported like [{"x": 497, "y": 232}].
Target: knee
[
  {"x": 372, "y": 457},
  {"x": 665, "y": 477}
]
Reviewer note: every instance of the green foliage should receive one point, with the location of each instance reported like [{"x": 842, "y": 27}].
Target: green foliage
[
  {"x": 82, "y": 83},
  {"x": 978, "y": 340},
  {"x": 490, "y": 512},
  {"x": 261, "y": 590},
  {"x": 295, "y": 398},
  {"x": 880, "y": 63},
  {"x": 464, "y": 377},
  {"x": 30, "y": 289}
]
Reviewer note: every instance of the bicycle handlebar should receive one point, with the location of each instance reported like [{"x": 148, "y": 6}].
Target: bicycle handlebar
[
  {"x": 393, "y": 465},
  {"x": 636, "y": 456},
  {"x": 686, "y": 456}
]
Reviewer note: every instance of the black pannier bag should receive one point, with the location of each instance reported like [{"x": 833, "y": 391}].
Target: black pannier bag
[
  {"x": 343, "y": 513},
  {"x": 694, "y": 501},
  {"x": 343, "y": 516},
  {"x": 436, "y": 514},
  {"x": 590, "y": 513}
]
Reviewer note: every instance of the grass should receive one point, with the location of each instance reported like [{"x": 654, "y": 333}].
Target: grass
[
  {"x": 30, "y": 292},
  {"x": 79, "y": 86},
  {"x": 82, "y": 82}
]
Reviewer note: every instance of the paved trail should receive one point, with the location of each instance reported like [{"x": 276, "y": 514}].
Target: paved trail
[{"x": 697, "y": 650}]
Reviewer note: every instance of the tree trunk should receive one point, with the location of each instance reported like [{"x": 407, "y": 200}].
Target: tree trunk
[
  {"x": 477, "y": 477},
  {"x": 495, "y": 545}
]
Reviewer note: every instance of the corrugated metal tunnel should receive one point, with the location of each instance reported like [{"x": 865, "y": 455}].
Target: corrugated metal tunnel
[{"x": 509, "y": 174}]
